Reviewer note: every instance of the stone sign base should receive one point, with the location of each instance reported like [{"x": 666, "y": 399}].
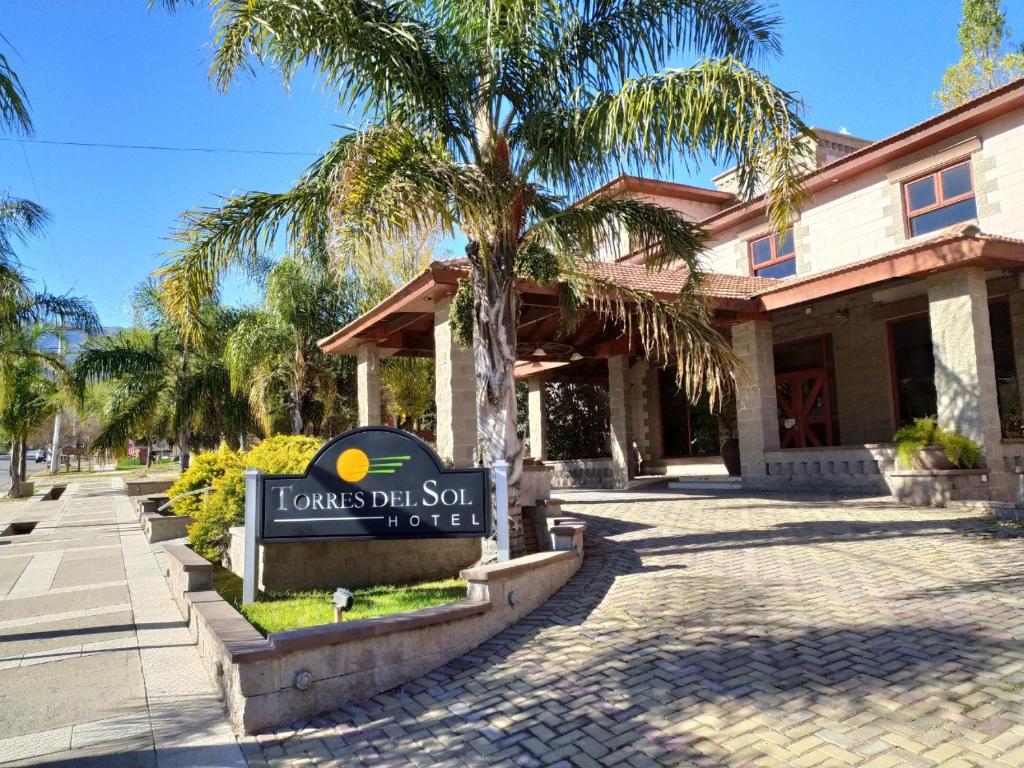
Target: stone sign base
[{"x": 332, "y": 564}]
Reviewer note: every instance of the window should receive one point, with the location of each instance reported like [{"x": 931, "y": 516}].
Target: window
[
  {"x": 913, "y": 368},
  {"x": 773, "y": 256},
  {"x": 1007, "y": 391},
  {"x": 940, "y": 199}
]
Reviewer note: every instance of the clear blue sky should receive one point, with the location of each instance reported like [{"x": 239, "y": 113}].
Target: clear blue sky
[{"x": 108, "y": 71}]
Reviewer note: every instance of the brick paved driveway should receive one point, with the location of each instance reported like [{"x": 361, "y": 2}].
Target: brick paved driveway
[{"x": 728, "y": 632}]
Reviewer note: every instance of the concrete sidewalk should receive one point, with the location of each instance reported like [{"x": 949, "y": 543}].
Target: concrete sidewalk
[{"x": 96, "y": 666}]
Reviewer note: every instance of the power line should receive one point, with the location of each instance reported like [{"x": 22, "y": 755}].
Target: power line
[{"x": 159, "y": 148}]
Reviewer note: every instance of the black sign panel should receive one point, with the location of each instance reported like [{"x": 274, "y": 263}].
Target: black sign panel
[{"x": 375, "y": 483}]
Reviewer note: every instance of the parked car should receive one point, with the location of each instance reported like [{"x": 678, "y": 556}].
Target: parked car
[{"x": 38, "y": 455}]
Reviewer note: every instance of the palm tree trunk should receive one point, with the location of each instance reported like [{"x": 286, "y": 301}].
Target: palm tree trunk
[
  {"x": 298, "y": 387},
  {"x": 185, "y": 419},
  {"x": 494, "y": 352},
  {"x": 14, "y": 468},
  {"x": 184, "y": 446}
]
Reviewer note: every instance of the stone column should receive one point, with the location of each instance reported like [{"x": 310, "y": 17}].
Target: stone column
[
  {"x": 620, "y": 406},
  {"x": 537, "y": 407},
  {"x": 455, "y": 393},
  {"x": 368, "y": 385},
  {"x": 757, "y": 417},
  {"x": 965, "y": 378}
]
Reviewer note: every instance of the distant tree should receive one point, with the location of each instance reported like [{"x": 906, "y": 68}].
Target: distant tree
[
  {"x": 273, "y": 357},
  {"x": 987, "y": 59},
  {"x": 30, "y": 394},
  {"x": 163, "y": 387}
]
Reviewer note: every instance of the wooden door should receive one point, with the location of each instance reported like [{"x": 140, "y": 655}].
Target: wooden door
[{"x": 805, "y": 413}]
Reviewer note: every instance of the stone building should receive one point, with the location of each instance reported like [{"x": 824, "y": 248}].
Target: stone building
[{"x": 897, "y": 293}]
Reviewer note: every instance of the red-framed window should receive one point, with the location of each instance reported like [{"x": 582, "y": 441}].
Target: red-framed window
[
  {"x": 940, "y": 199},
  {"x": 772, "y": 255}
]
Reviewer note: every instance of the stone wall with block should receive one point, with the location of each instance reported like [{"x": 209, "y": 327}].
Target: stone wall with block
[
  {"x": 332, "y": 564},
  {"x": 294, "y": 675},
  {"x": 581, "y": 473}
]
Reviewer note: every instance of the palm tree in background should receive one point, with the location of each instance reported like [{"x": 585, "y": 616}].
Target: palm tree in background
[
  {"x": 273, "y": 357},
  {"x": 161, "y": 386},
  {"x": 492, "y": 117}
]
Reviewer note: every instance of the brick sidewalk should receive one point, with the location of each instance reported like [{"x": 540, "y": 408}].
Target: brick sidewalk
[
  {"x": 96, "y": 665},
  {"x": 727, "y": 632}
]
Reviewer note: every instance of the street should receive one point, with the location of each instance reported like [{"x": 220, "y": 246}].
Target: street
[{"x": 5, "y": 471}]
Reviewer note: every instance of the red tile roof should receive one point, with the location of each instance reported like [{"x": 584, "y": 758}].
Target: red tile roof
[{"x": 667, "y": 281}]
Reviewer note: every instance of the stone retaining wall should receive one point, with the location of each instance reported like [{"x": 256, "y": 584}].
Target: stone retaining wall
[
  {"x": 936, "y": 488},
  {"x": 297, "y": 674},
  {"x": 330, "y": 564},
  {"x": 582, "y": 473}
]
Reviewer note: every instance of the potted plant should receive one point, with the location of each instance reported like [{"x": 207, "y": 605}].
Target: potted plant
[
  {"x": 925, "y": 445},
  {"x": 727, "y": 427}
]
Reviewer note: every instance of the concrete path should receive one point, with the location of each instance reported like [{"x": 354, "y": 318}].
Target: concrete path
[
  {"x": 741, "y": 631},
  {"x": 96, "y": 667}
]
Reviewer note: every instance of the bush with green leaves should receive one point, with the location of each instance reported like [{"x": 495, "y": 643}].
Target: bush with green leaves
[
  {"x": 225, "y": 507},
  {"x": 961, "y": 451},
  {"x": 203, "y": 470}
]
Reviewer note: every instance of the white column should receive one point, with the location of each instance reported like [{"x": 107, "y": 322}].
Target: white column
[
  {"x": 455, "y": 393},
  {"x": 368, "y": 385},
  {"x": 757, "y": 418},
  {"x": 537, "y": 407},
  {"x": 620, "y": 406},
  {"x": 965, "y": 379}
]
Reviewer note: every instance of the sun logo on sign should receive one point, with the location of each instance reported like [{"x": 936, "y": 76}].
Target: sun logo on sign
[{"x": 354, "y": 465}]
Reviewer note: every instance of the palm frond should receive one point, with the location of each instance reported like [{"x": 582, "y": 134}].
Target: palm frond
[
  {"x": 13, "y": 101},
  {"x": 378, "y": 54},
  {"x": 678, "y": 331},
  {"x": 66, "y": 312},
  {"x": 584, "y": 231},
  {"x": 19, "y": 219},
  {"x": 396, "y": 180},
  {"x": 719, "y": 110},
  {"x": 240, "y": 232}
]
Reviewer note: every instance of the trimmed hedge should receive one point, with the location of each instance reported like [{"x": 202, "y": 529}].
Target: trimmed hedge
[{"x": 225, "y": 507}]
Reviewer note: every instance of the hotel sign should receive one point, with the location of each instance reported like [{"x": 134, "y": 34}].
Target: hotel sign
[{"x": 375, "y": 483}]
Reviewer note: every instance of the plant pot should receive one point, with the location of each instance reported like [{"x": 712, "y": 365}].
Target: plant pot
[
  {"x": 731, "y": 456},
  {"x": 932, "y": 457}
]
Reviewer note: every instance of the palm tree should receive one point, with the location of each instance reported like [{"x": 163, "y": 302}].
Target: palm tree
[
  {"x": 272, "y": 353},
  {"x": 491, "y": 118},
  {"x": 30, "y": 394},
  {"x": 163, "y": 387}
]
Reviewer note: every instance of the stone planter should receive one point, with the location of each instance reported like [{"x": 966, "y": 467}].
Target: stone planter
[
  {"x": 151, "y": 504},
  {"x": 159, "y": 527},
  {"x": 932, "y": 457},
  {"x": 25, "y": 489},
  {"x": 535, "y": 485}
]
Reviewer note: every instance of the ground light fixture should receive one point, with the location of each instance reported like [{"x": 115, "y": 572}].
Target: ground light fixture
[{"x": 342, "y": 601}]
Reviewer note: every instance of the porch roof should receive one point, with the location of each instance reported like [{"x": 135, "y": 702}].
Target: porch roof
[{"x": 404, "y": 321}]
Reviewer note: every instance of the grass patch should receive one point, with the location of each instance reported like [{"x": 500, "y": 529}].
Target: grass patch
[
  {"x": 128, "y": 463},
  {"x": 277, "y": 612}
]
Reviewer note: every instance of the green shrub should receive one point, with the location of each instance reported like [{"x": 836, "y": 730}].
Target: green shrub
[
  {"x": 201, "y": 473},
  {"x": 911, "y": 438},
  {"x": 225, "y": 507},
  {"x": 961, "y": 451}
]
